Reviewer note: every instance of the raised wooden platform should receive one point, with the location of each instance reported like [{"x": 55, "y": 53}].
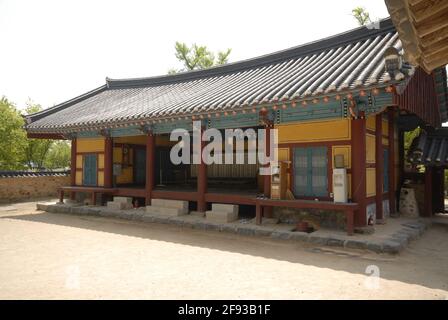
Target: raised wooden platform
[{"x": 231, "y": 197}]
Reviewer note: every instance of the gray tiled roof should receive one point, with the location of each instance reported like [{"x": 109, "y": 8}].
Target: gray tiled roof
[
  {"x": 430, "y": 149},
  {"x": 32, "y": 174},
  {"x": 348, "y": 61}
]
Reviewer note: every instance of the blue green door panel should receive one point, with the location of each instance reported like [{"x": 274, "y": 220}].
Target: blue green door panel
[{"x": 90, "y": 170}]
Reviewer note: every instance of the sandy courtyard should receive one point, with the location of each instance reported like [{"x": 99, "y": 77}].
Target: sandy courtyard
[{"x": 55, "y": 256}]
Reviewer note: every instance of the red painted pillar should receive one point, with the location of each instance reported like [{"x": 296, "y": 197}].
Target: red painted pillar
[
  {"x": 150, "y": 164},
  {"x": 379, "y": 166},
  {"x": 73, "y": 168},
  {"x": 391, "y": 138},
  {"x": 358, "y": 177},
  {"x": 428, "y": 210},
  {"x": 267, "y": 211},
  {"x": 108, "y": 161},
  {"x": 267, "y": 178},
  {"x": 202, "y": 179}
]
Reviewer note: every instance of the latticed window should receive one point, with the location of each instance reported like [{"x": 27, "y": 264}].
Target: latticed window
[{"x": 311, "y": 172}]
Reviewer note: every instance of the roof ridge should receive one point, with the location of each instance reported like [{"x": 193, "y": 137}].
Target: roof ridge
[
  {"x": 43, "y": 113},
  {"x": 340, "y": 39}
]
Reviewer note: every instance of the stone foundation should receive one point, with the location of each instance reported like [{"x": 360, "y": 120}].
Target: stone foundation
[{"x": 315, "y": 217}]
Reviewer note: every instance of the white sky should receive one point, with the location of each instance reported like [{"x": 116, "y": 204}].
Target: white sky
[{"x": 52, "y": 51}]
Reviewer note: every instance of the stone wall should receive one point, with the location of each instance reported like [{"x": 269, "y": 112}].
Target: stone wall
[
  {"x": 21, "y": 188},
  {"x": 315, "y": 217}
]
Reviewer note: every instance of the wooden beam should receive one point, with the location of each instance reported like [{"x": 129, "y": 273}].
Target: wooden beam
[
  {"x": 267, "y": 178},
  {"x": 267, "y": 212},
  {"x": 429, "y": 11},
  {"x": 436, "y": 22},
  {"x": 379, "y": 166},
  {"x": 73, "y": 168},
  {"x": 358, "y": 154},
  {"x": 54, "y": 136},
  {"x": 433, "y": 51},
  {"x": 108, "y": 162},
  {"x": 391, "y": 139},
  {"x": 150, "y": 167},
  {"x": 202, "y": 178},
  {"x": 428, "y": 192},
  {"x": 433, "y": 64},
  {"x": 433, "y": 38}
]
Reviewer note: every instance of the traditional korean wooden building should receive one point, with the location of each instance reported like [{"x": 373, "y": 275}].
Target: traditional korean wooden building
[{"x": 349, "y": 95}]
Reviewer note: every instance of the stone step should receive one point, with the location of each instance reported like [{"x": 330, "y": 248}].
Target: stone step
[
  {"x": 179, "y": 204},
  {"x": 220, "y": 216},
  {"x": 233, "y": 208},
  {"x": 123, "y": 200},
  {"x": 165, "y": 211},
  {"x": 119, "y": 205}
]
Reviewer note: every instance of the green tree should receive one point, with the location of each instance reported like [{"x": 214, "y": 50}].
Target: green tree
[
  {"x": 198, "y": 57},
  {"x": 35, "y": 150},
  {"x": 58, "y": 156},
  {"x": 12, "y": 136},
  {"x": 361, "y": 15}
]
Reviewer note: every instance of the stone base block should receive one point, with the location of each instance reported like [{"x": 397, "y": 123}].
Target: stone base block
[
  {"x": 125, "y": 200},
  {"x": 233, "y": 208},
  {"x": 165, "y": 211},
  {"x": 114, "y": 205},
  {"x": 220, "y": 216},
  {"x": 178, "y": 204}
]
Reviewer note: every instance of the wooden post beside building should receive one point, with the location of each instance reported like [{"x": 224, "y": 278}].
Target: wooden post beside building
[
  {"x": 379, "y": 166},
  {"x": 108, "y": 162},
  {"x": 358, "y": 177},
  {"x": 267, "y": 178},
  {"x": 428, "y": 207},
  {"x": 72, "y": 169},
  {"x": 202, "y": 179},
  {"x": 150, "y": 164},
  {"x": 391, "y": 138}
]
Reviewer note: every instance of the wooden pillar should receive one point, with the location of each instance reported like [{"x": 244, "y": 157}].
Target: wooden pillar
[
  {"x": 267, "y": 211},
  {"x": 267, "y": 177},
  {"x": 108, "y": 161},
  {"x": 428, "y": 192},
  {"x": 438, "y": 187},
  {"x": 73, "y": 168},
  {"x": 150, "y": 166},
  {"x": 379, "y": 166},
  {"x": 358, "y": 177},
  {"x": 391, "y": 138},
  {"x": 202, "y": 179}
]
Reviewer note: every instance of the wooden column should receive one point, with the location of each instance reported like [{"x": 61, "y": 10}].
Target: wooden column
[
  {"x": 108, "y": 161},
  {"x": 150, "y": 166},
  {"x": 267, "y": 211},
  {"x": 438, "y": 187},
  {"x": 391, "y": 138},
  {"x": 267, "y": 178},
  {"x": 379, "y": 166},
  {"x": 358, "y": 177},
  {"x": 428, "y": 210},
  {"x": 202, "y": 179},
  {"x": 73, "y": 168}
]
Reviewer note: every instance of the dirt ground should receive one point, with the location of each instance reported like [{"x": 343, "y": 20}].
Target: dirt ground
[{"x": 55, "y": 256}]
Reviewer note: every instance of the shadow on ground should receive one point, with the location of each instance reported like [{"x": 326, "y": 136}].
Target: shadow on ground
[{"x": 424, "y": 263}]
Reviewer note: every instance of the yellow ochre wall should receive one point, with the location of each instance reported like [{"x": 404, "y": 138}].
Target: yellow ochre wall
[
  {"x": 89, "y": 145},
  {"x": 127, "y": 173},
  {"x": 315, "y": 132},
  {"x": 334, "y": 131}
]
